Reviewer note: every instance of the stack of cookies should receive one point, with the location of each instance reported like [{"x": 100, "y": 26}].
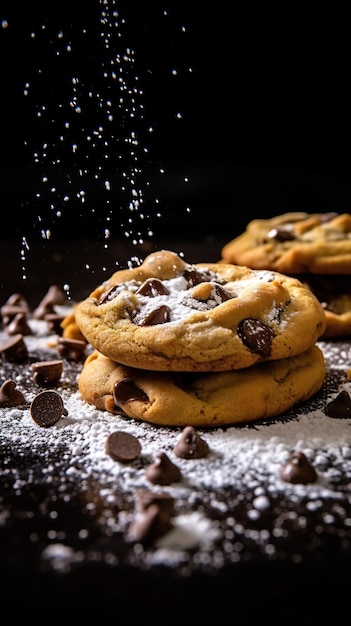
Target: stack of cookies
[
  {"x": 206, "y": 344},
  {"x": 316, "y": 248}
]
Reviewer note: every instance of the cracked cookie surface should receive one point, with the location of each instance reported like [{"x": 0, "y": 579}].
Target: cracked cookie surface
[{"x": 167, "y": 314}]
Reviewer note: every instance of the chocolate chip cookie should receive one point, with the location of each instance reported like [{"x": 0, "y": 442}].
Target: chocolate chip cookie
[
  {"x": 316, "y": 248},
  {"x": 167, "y": 314},
  {"x": 202, "y": 399}
]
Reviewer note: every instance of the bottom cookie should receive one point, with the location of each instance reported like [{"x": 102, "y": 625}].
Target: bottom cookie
[{"x": 202, "y": 399}]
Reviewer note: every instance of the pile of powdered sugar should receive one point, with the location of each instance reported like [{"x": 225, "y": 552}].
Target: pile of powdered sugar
[{"x": 222, "y": 500}]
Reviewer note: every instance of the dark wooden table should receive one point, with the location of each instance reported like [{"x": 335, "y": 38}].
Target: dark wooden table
[{"x": 273, "y": 590}]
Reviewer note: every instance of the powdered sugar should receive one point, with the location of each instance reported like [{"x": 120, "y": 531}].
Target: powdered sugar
[
  {"x": 178, "y": 294},
  {"x": 227, "y": 493}
]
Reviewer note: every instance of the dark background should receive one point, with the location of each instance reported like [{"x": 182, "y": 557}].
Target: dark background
[{"x": 264, "y": 127}]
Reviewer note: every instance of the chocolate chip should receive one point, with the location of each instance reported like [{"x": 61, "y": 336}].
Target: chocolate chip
[
  {"x": 152, "y": 287},
  {"x": 71, "y": 349},
  {"x": 340, "y": 407},
  {"x": 298, "y": 469},
  {"x": 126, "y": 391},
  {"x": 122, "y": 447},
  {"x": 54, "y": 295},
  {"x": 154, "y": 513},
  {"x": 193, "y": 277},
  {"x": 161, "y": 315},
  {"x": 18, "y": 299},
  {"x": 42, "y": 310},
  {"x": 9, "y": 395},
  {"x": 19, "y": 324},
  {"x": 221, "y": 293},
  {"x": 146, "y": 498},
  {"x": 47, "y": 408},
  {"x": 256, "y": 336},
  {"x": 9, "y": 312},
  {"x": 190, "y": 445},
  {"x": 150, "y": 525},
  {"x": 163, "y": 471},
  {"x": 281, "y": 234},
  {"x": 47, "y": 373},
  {"x": 14, "y": 349}
]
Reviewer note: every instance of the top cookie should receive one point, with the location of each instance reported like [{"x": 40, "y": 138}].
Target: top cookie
[
  {"x": 169, "y": 315},
  {"x": 295, "y": 243}
]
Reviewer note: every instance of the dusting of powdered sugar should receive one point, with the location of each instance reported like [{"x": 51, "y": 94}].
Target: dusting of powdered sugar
[
  {"x": 242, "y": 468},
  {"x": 179, "y": 298}
]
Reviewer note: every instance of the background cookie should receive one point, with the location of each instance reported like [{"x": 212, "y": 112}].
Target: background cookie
[
  {"x": 170, "y": 315},
  {"x": 295, "y": 243},
  {"x": 202, "y": 399},
  {"x": 316, "y": 248}
]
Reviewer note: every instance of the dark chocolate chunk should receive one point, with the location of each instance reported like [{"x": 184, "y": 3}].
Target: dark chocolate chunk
[
  {"x": 256, "y": 335},
  {"x": 298, "y": 469},
  {"x": 47, "y": 408},
  {"x": 71, "y": 349},
  {"x": 14, "y": 349},
  {"x": 123, "y": 447},
  {"x": 339, "y": 407},
  {"x": 161, "y": 315},
  {"x": 126, "y": 391},
  {"x": 108, "y": 295},
  {"x": 221, "y": 293},
  {"x": 193, "y": 277},
  {"x": 190, "y": 445},
  {"x": 152, "y": 287},
  {"x": 47, "y": 373},
  {"x": 163, "y": 471},
  {"x": 9, "y": 395}
]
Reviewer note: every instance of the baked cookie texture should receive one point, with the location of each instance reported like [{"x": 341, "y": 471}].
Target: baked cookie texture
[
  {"x": 169, "y": 315},
  {"x": 316, "y": 248},
  {"x": 205, "y": 399},
  {"x": 295, "y": 243}
]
